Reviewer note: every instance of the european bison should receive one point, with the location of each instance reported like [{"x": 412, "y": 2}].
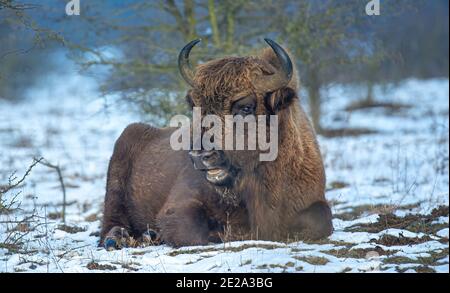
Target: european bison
[{"x": 157, "y": 192}]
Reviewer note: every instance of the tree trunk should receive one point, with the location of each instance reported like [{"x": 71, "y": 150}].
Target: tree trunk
[
  {"x": 314, "y": 104},
  {"x": 189, "y": 12},
  {"x": 369, "y": 95},
  {"x": 313, "y": 88},
  {"x": 230, "y": 15},
  {"x": 214, "y": 24}
]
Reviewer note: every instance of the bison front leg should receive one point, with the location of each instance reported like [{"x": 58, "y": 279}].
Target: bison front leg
[{"x": 184, "y": 223}]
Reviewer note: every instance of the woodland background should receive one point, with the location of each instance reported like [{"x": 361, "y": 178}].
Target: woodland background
[{"x": 132, "y": 46}]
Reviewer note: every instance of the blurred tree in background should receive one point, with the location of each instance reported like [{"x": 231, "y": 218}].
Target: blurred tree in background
[
  {"x": 22, "y": 40},
  {"x": 132, "y": 45},
  {"x": 145, "y": 71},
  {"x": 325, "y": 35}
]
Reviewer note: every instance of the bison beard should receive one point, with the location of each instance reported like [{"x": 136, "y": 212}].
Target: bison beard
[{"x": 154, "y": 193}]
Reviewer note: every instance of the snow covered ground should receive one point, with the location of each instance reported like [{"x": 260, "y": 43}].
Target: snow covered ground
[{"x": 389, "y": 189}]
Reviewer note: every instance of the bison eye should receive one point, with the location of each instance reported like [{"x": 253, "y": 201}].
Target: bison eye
[
  {"x": 246, "y": 110},
  {"x": 244, "y": 106}
]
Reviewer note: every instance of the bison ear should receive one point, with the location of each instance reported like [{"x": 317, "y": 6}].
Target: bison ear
[
  {"x": 280, "y": 99},
  {"x": 188, "y": 99}
]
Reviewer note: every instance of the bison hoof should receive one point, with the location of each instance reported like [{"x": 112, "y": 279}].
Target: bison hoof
[
  {"x": 116, "y": 238},
  {"x": 110, "y": 244},
  {"x": 151, "y": 237},
  {"x": 114, "y": 243}
]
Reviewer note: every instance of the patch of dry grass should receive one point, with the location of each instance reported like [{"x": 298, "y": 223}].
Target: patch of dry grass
[{"x": 314, "y": 260}]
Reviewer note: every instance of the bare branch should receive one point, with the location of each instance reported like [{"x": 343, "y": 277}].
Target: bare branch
[
  {"x": 12, "y": 185},
  {"x": 61, "y": 181}
]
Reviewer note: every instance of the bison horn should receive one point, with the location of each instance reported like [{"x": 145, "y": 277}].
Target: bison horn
[
  {"x": 280, "y": 78},
  {"x": 183, "y": 62}
]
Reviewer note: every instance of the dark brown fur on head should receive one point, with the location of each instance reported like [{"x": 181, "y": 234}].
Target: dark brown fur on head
[
  {"x": 232, "y": 78},
  {"x": 221, "y": 82}
]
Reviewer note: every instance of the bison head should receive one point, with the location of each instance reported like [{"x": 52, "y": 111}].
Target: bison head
[{"x": 252, "y": 85}]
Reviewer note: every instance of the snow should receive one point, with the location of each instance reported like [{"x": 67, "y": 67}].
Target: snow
[
  {"x": 441, "y": 220},
  {"x": 443, "y": 233},
  {"x": 441, "y": 268},
  {"x": 402, "y": 168}
]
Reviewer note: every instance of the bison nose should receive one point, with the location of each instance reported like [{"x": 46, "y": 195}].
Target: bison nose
[
  {"x": 196, "y": 157},
  {"x": 195, "y": 154},
  {"x": 209, "y": 156},
  {"x": 204, "y": 160}
]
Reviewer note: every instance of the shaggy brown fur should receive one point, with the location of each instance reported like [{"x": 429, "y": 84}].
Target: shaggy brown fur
[{"x": 152, "y": 187}]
